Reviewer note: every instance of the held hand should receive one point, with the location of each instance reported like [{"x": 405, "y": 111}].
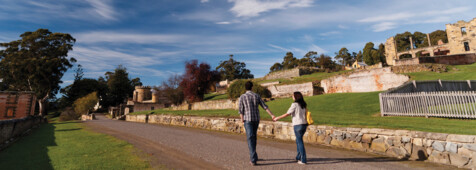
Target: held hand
[{"x": 275, "y": 119}]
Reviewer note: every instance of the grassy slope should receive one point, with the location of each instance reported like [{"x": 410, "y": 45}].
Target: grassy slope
[
  {"x": 66, "y": 145},
  {"x": 304, "y": 78},
  {"x": 349, "y": 110},
  {"x": 215, "y": 96},
  {"x": 462, "y": 72}
]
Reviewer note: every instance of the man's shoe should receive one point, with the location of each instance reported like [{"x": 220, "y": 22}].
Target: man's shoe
[
  {"x": 302, "y": 163},
  {"x": 253, "y": 163}
]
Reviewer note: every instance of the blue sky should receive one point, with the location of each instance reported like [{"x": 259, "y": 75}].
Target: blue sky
[{"x": 154, "y": 38}]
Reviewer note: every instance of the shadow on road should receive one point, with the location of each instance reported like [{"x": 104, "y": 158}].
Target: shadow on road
[{"x": 326, "y": 160}]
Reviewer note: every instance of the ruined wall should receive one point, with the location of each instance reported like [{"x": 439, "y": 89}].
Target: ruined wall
[
  {"x": 14, "y": 105},
  {"x": 449, "y": 149},
  {"x": 147, "y": 106},
  {"x": 307, "y": 89},
  {"x": 419, "y": 68},
  {"x": 10, "y": 130},
  {"x": 390, "y": 51},
  {"x": 364, "y": 81},
  {"x": 456, "y": 37},
  {"x": 406, "y": 61}
]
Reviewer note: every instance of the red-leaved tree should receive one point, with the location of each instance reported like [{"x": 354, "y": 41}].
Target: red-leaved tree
[{"x": 197, "y": 80}]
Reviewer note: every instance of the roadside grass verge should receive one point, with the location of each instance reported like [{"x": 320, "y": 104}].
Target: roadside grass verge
[
  {"x": 347, "y": 110},
  {"x": 458, "y": 72},
  {"x": 67, "y": 145}
]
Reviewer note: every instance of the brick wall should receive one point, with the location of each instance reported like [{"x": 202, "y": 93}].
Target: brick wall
[{"x": 14, "y": 105}]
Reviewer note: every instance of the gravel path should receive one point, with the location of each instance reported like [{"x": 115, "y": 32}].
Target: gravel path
[{"x": 188, "y": 148}]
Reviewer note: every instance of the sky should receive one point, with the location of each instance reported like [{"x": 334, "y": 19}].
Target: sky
[{"x": 154, "y": 38}]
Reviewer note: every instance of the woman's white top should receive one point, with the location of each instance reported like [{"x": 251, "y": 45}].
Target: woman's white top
[{"x": 298, "y": 114}]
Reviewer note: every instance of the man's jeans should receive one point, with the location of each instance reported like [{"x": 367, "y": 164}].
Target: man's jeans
[
  {"x": 251, "y": 130},
  {"x": 299, "y": 131}
]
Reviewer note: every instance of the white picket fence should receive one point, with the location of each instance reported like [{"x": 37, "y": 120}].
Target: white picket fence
[{"x": 451, "y": 104}]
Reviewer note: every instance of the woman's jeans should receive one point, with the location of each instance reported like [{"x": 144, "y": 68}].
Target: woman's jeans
[
  {"x": 299, "y": 131},
  {"x": 251, "y": 130}
]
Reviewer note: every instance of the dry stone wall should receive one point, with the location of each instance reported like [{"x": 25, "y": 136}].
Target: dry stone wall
[
  {"x": 448, "y": 149},
  {"x": 12, "y": 129},
  {"x": 208, "y": 105},
  {"x": 364, "y": 81}
]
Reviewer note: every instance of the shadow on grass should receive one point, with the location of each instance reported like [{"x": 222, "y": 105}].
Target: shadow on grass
[
  {"x": 31, "y": 151},
  {"x": 312, "y": 161},
  {"x": 66, "y": 130}
]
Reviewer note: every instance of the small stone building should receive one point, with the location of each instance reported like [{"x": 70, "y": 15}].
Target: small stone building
[
  {"x": 144, "y": 98},
  {"x": 15, "y": 105}
]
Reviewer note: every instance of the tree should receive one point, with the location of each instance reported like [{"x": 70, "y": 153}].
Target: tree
[
  {"x": 276, "y": 67},
  {"x": 78, "y": 75},
  {"x": 326, "y": 62},
  {"x": 289, "y": 61},
  {"x": 172, "y": 89},
  {"x": 358, "y": 56},
  {"x": 85, "y": 104},
  {"x": 36, "y": 62},
  {"x": 197, "y": 79},
  {"x": 419, "y": 39},
  {"x": 232, "y": 69},
  {"x": 381, "y": 54},
  {"x": 403, "y": 41},
  {"x": 437, "y": 35},
  {"x": 344, "y": 56},
  {"x": 120, "y": 86},
  {"x": 367, "y": 54},
  {"x": 308, "y": 59}
]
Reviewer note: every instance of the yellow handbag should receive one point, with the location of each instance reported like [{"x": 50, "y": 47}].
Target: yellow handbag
[{"x": 309, "y": 118}]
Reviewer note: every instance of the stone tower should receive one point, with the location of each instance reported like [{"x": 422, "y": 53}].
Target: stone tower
[
  {"x": 142, "y": 93},
  {"x": 390, "y": 51}
]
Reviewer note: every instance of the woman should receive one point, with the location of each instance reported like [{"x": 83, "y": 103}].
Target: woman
[{"x": 298, "y": 112}]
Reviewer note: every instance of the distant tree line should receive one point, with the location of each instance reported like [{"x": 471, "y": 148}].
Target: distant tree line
[{"x": 310, "y": 59}]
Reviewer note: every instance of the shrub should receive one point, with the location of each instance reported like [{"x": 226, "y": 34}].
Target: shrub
[
  {"x": 84, "y": 104},
  {"x": 237, "y": 88},
  {"x": 68, "y": 114}
]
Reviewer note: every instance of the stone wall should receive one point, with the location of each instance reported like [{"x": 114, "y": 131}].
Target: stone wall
[
  {"x": 419, "y": 68},
  {"x": 364, "y": 81},
  {"x": 407, "y": 61},
  {"x": 278, "y": 91},
  {"x": 208, "y": 105},
  {"x": 456, "y": 38},
  {"x": 449, "y": 149},
  {"x": 457, "y": 59},
  {"x": 88, "y": 117},
  {"x": 12, "y": 129}
]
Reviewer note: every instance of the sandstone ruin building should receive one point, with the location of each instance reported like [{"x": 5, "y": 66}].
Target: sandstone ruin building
[{"x": 460, "y": 49}]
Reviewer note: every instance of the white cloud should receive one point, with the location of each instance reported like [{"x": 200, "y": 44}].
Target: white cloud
[
  {"x": 223, "y": 23},
  {"x": 300, "y": 51},
  {"x": 124, "y": 37},
  {"x": 330, "y": 33},
  {"x": 204, "y": 1},
  {"x": 103, "y": 8},
  {"x": 390, "y": 17},
  {"x": 253, "y": 8},
  {"x": 383, "y": 26}
]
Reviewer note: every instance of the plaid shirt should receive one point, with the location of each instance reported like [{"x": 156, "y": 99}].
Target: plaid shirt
[{"x": 248, "y": 106}]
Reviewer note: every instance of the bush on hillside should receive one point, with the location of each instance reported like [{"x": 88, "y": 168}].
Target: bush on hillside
[
  {"x": 85, "y": 104},
  {"x": 237, "y": 88}
]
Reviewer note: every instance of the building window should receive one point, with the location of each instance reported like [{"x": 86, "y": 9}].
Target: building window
[
  {"x": 10, "y": 112},
  {"x": 466, "y": 46},
  {"x": 463, "y": 30}
]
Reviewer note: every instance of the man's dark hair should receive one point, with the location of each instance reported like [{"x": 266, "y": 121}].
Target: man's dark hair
[{"x": 248, "y": 85}]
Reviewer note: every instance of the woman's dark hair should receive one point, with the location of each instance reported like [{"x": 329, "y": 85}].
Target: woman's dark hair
[{"x": 299, "y": 99}]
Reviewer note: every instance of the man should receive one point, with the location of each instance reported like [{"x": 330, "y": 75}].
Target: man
[{"x": 249, "y": 114}]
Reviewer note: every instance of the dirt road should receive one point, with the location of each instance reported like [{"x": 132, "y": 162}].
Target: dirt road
[{"x": 186, "y": 148}]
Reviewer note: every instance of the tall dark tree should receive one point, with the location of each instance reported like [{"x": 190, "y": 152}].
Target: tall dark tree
[
  {"x": 232, "y": 69},
  {"x": 276, "y": 67},
  {"x": 381, "y": 54},
  {"x": 197, "y": 80},
  {"x": 36, "y": 62},
  {"x": 359, "y": 56},
  {"x": 403, "y": 41},
  {"x": 344, "y": 56},
  {"x": 120, "y": 86},
  {"x": 308, "y": 59},
  {"x": 289, "y": 61},
  {"x": 368, "y": 54},
  {"x": 78, "y": 75},
  {"x": 437, "y": 35},
  {"x": 172, "y": 89},
  {"x": 419, "y": 39},
  {"x": 326, "y": 62},
  {"x": 81, "y": 88}
]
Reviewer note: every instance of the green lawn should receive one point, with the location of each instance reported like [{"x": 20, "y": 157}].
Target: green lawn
[
  {"x": 304, "y": 78},
  {"x": 215, "y": 96},
  {"x": 349, "y": 110},
  {"x": 67, "y": 145},
  {"x": 458, "y": 72}
]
